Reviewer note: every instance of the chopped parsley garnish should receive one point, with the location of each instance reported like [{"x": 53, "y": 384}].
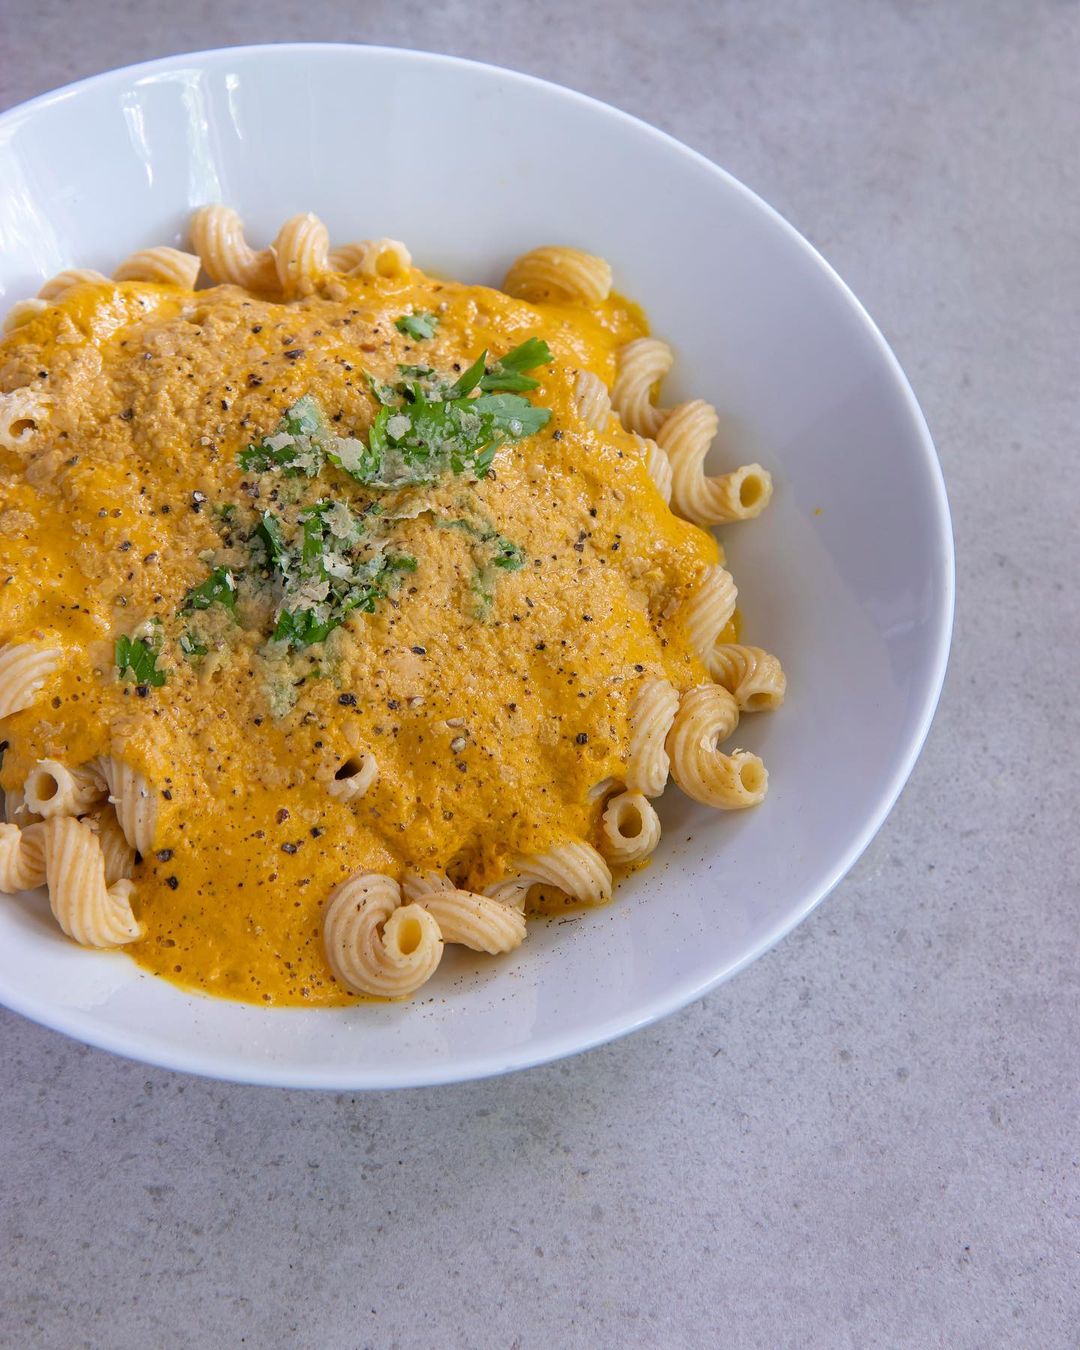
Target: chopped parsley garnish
[
  {"x": 508, "y": 555},
  {"x": 137, "y": 657},
  {"x": 508, "y": 373},
  {"x": 191, "y": 646},
  {"x": 321, "y": 577},
  {"x": 295, "y": 446},
  {"x": 427, "y": 425},
  {"x": 310, "y": 566},
  {"x": 417, "y": 326},
  {"x": 219, "y": 588},
  {"x": 268, "y": 532}
]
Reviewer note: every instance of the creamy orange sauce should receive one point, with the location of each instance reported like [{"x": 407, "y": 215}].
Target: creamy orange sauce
[{"x": 154, "y": 391}]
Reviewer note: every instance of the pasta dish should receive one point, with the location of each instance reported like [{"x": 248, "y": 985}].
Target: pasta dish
[{"x": 348, "y": 612}]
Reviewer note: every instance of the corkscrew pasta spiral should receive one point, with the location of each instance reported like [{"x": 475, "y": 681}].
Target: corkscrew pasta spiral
[
  {"x": 707, "y": 611},
  {"x": 592, "y": 400},
  {"x": 372, "y": 258},
  {"x": 754, "y": 677},
  {"x": 376, "y": 945},
  {"x": 560, "y": 274},
  {"x": 217, "y": 236},
  {"x": 476, "y": 921},
  {"x": 686, "y": 435},
  {"x": 134, "y": 800},
  {"x": 707, "y": 716},
  {"x": 58, "y": 286},
  {"x": 21, "y": 312},
  {"x": 162, "y": 265},
  {"x": 658, "y": 467},
  {"x": 651, "y": 715},
  {"x": 301, "y": 255},
  {"x": 354, "y": 778},
  {"x": 22, "y": 413},
  {"x": 117, "y": 854},
  {"x": 640, "y": 368},
  {"x": 630, "y": 828},
  {"x": 22, "y": 858},
  {"x": 24, "y": 668},
  {"x": 88, "y": 910},
  {"x": 52, "y": 789},
  {"x": 575, "y": 868}
]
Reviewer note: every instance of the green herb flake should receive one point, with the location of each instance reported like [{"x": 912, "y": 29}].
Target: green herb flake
[
  {"x": 219, "y": 588},
  {"x": 419, "y": 327},
  {"x": 137, "y": 658},
  {"x": 296, "y": 445},
  {"x": 508, "y": 373},
  {"x": 191, "y": 647},
  {"x": 268, "y": 532}
]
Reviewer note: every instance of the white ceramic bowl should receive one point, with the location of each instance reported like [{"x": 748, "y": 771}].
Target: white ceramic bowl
[{"x": 848, "y": 577}]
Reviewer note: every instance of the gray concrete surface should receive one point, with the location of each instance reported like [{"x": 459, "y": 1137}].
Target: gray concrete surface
[{"x": 870, "y": 1137}]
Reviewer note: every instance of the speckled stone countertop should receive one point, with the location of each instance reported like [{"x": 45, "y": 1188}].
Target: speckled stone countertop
[{"x": 870, "y": 1137}]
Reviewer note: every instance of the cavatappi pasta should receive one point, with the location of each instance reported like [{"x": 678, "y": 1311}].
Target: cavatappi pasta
[{"x": 343, "y": 617}]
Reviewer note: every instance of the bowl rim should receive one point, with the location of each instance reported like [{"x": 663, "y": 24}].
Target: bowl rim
[{"x": 229, "y": 1067}]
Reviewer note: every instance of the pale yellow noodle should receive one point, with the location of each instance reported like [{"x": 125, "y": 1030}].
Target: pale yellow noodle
[
  {"x": 755, "y": 677},
  {"x": 658, "y": 466},
  {"x": 88, "y": 910},
  {"x": 58, "y": 286},
  {"x": 510, "y": 891},
  {"x": 686, "y": 435},
  {"x": 555, "y": 273},
  {"x": 357, "y": 775},
  {"x": 301, "y": 255},
  {"x": 476, "y": 921},
  {"x": 163, "y": 265},
  {"x": 708, "y": 610},
  {"x": 22, "y": 413},
  {"x": 593, "y": 400},
  {"x": 372, "y": 258},
  {"x": 376, "y": 945},
  {"x": 575, "y": 868},
  {"x": 52, "y": 789},
  {"x": 640, "y": 368},
  {"x": 24, "y": 668},
  {"x": 217, "y": 236},
  {"x": 651, "y": 715},
  {"x": 707, "y": 716},
  {"x": 22, "y": 858},
  {"x": 116, "y": 852},
  {"x": 22, "y": 311},
  {"x": 135, "y": 802},
  {"x": 630, "y": 828}
]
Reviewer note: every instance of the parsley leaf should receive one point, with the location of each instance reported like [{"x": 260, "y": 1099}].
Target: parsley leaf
[
  {"x": 386, "y": 393},
  {"x": 268, "y": 532},
  {"x": 467, "y": 382},
  {"x": 508, "y": 372},
  {"x": 138, "y": 657},
  {"x": 508, "y": 555},
  {"x": 295, "y": 446},
  {"x": 511, "y": 415},
  {"x": 219, "y": 588},
  {"x": 369, "y": 582},
  {"x": 417, "y": 326},
  {"x": 191, "y": 646}
]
